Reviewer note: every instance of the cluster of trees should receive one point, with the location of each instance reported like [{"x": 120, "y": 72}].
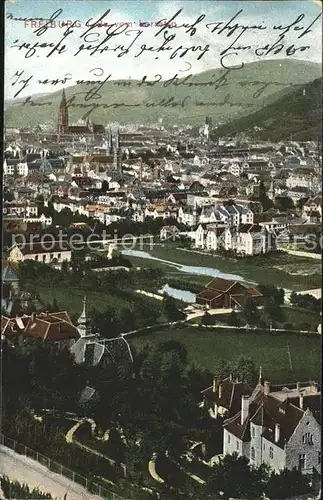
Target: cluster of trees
[
  {"x": 263, "y": 198},
  {"x": 159, "y": 404},
  {"x": 306, "y": 301},
  {"x": 242, "y": 369},
  {"x": 234, "y": 477}
]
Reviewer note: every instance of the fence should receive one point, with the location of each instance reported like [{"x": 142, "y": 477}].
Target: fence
[{"x": 60, "y": 469}]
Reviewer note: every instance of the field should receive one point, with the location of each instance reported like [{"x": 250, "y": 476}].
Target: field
[
  {"x": 206, "y": 347},
  {"x": 281, "y": 270}
]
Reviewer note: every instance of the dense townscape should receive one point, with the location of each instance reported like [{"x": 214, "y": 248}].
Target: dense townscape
[
  {"x": 161, "y": 319},
  {"x": 161, "y": 310}
]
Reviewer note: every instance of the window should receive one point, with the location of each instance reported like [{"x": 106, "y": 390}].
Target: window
[
  {"x": 237, "y": 445},
  {"x": 51, "y": 256},
  {"x": 253, "y": 431},
  {"x": 319, "y": 458},
  {"x": 252, "y": 453},
  {"x": 58, "y": 255},
  {"x": 229, "y": 438},
  {"x": 44, "y": 258},
  {"x": 36, "y": 257},
  {"x": 271, "y": 452},
  {"x": 308, "y": 438},
  {"x": 301, "y": 461}
]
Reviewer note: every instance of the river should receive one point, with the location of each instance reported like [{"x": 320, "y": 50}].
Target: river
[{"x": 178, "y": 294}]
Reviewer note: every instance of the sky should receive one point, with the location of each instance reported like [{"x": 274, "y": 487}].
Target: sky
[{"x": 82, "y": 66}]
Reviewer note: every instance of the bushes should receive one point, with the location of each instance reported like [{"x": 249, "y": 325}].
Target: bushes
[{"x": 13, "y": 489}]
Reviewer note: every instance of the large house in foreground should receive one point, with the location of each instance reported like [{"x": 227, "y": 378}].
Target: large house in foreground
[
  {"x": 227, "y": 294},
  {"x": 278, "y": 427}
]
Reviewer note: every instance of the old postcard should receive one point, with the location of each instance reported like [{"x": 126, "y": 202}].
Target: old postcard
[{"x": 162, "y": 240}]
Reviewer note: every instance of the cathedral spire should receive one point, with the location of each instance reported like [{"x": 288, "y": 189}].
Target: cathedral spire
[
  {"x": 63, "y": 100},
  {"x": 63, "y": 115}
]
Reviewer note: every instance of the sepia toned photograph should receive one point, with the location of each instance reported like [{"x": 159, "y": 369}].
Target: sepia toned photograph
[{"x": 161, "y": 295}]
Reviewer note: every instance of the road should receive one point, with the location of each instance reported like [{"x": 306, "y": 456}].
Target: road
[{"x": 25, "y": 470}]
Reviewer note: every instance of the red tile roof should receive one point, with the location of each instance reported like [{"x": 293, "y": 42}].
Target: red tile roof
[{"x": 46, "y": 326}]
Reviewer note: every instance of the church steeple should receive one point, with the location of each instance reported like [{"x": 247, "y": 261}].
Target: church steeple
[
  {"x": 63, "y": 115},
  {"x": 83, "y": 324},
  {"x": 260, "y": 375}
]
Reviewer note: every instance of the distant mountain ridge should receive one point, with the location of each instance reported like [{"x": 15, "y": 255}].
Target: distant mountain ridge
[
  {"x": 224, "y": 95},
  {"x": 295, "y": 114}
]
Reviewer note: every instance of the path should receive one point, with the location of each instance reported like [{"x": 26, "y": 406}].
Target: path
[
  {"x": 153, "y": 473},
  {"x": 25, "y": 470},
  {"x": 299, "y": 253},
  {"x": 189, "y": 316},
  {"x": 315, "y": 292}
]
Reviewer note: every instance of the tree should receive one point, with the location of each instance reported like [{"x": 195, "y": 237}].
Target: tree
[
  {"x": 244, "y": 369},
  {"x": 271, "y": 291},
  {"x": 172, "y": 312},
  {"x": 263, "y": 198},
  {"x": 272, "y": 311},
  {"x": 287, "y": 483},
  {"x": 234, "y": 319},
  {"x": 236, "y": 479},
  {"x": 284, "y": 203},
  {"x": 250, "y": 313}
]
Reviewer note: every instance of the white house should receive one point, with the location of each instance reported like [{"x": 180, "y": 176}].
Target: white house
[
  {"x": 251, "y": 239},
  {"x": 46, "y": 252},
  {"x": 14, "y": 166},
  {"x": 235, "y": 169},
  {"x": 20, "y": 208},
  {"x": 301, "y": 178}
]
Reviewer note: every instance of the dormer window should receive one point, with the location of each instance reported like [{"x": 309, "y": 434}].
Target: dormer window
[{"x": 308, "y": 438}]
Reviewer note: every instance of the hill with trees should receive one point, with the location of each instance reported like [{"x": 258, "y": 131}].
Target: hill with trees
[{"x": 295, "y": 114}]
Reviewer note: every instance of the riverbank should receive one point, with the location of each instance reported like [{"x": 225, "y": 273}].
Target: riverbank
[{"x": 280, "y": 269}]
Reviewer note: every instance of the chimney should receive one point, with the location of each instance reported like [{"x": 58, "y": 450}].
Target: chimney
[
  {"x": 298, "y": 386},
  {"x": 301, "y": 401},
  {"x": 214, "y": 385},
  {"x": 277, "y": 433},
  {"x": 314, "y": 387},
  {"x": 220, "y": 391},
  {"x": 231, "y": 377},
  {"x": 266, "y": 388},
  {"x": 245, "y": 400},
  {"x": 33, "y": 316}
]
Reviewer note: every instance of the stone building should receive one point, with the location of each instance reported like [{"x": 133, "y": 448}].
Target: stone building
[{"x": 278, "y": 427}]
